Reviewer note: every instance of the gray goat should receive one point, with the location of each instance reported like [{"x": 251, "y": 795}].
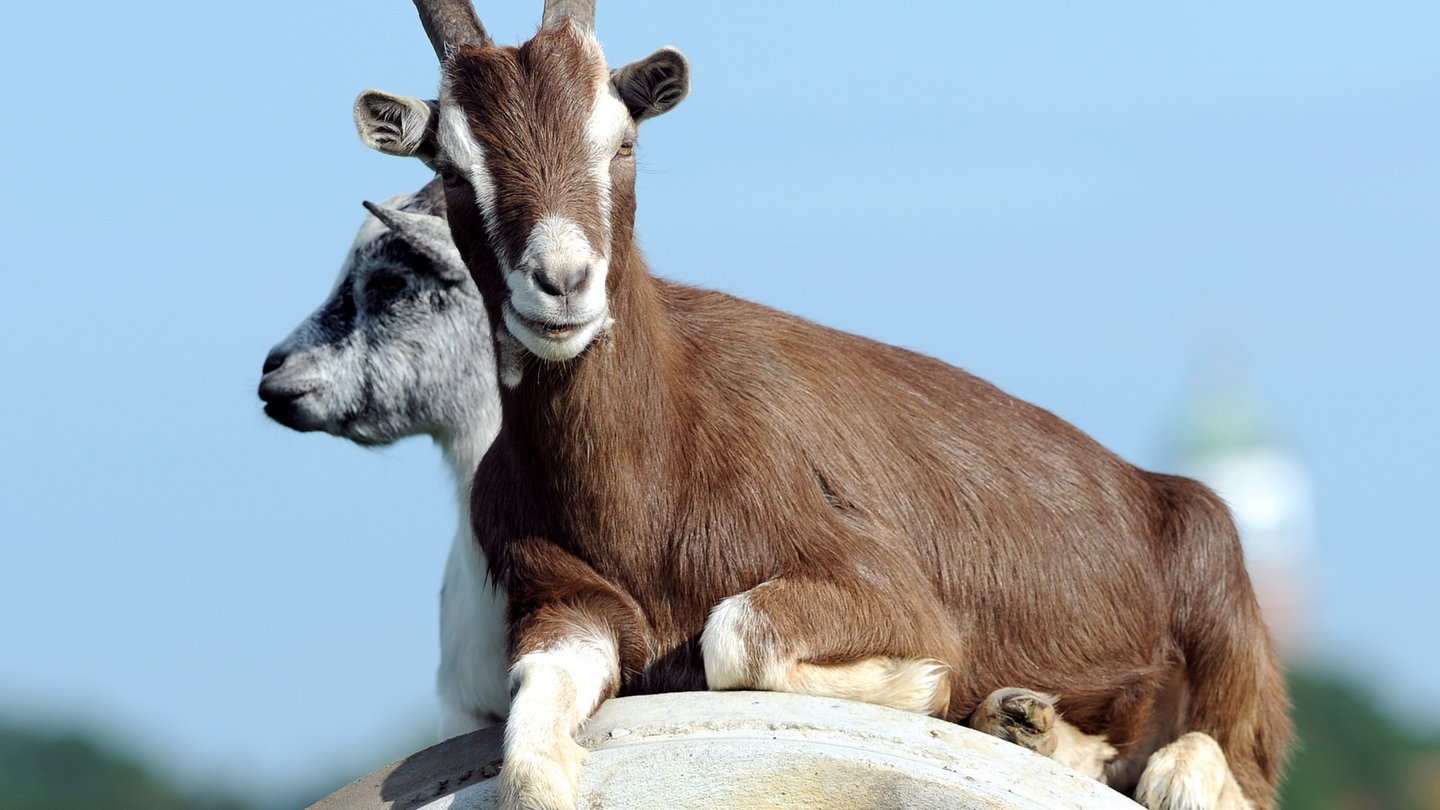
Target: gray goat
[{"x": 402, "y": 347}]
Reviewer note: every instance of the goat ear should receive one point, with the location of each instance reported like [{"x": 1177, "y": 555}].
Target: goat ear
[
  {"x": 427, "y": 233},
  {"x": 653, "y": 85},
  {"x": 397, "y": 125}
]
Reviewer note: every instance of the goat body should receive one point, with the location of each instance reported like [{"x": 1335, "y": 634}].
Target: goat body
[
  {"x": 691, "y": 490},
  {"x": 866, "y": 501}
]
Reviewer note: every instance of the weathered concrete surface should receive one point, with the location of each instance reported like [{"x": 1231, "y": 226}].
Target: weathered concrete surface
[{"x": 729, "y": 750}]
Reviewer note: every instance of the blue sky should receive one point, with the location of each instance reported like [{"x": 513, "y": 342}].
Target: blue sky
[{"x": 1081, "y": 204}]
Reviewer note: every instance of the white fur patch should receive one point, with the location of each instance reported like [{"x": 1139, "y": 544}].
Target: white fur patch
[
  {"x": 558, "y": 244},
  {"x": 724, "y": 646},
  {"x": 735, "y": 658},
  {"x": 551, "y": 348},
  {"x": 471, "y": 679},
  {"x": 557, "y": 240},
  {"x": 467, "y": 156},
  {"x": 556, "y": 690},
  {"x": 604, "y": 132}
]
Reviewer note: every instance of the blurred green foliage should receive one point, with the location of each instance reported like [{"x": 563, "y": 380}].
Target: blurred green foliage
[
  {"x": 71, "y": 771},
  {"x": 1352, "y": 755}
]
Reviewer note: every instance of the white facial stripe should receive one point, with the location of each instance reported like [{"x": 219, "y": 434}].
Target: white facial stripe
[
  {"x": 604, "y": 131},
  {"x": 609, "y": 119},
  {"x": 467, "y": 156}
]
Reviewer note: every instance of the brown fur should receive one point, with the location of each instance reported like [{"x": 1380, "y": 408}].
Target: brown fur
[{"x": 897, "y": 506}]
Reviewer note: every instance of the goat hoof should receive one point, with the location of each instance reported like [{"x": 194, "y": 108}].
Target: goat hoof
[
  {"x": 531, "y": 781},
  {"x": 1020, "y": 716},
  {"x": 1190, "y": 772}
]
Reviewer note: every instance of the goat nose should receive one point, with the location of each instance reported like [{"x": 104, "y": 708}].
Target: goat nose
[
  {"x": 560, "y": 283},
  {"x": 275, "y": 359}
]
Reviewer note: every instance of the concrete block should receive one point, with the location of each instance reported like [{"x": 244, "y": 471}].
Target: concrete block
[{"x": 733, "y": 750}]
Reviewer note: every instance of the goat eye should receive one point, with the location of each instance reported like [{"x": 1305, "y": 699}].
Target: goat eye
[
  {"x": 385, "y": 285},
  {"x": 448, "y": 176},
  {"x": 627, "y": 148}
]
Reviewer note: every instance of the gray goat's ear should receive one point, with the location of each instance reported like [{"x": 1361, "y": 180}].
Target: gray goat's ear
[
  {"x": 397, "y": 125},
  {"x": 653, "y": 85},
  {"x": 427, "y": 233}
]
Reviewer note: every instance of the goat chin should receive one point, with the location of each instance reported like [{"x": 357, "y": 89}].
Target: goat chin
[{"x": 552, "y": 343}]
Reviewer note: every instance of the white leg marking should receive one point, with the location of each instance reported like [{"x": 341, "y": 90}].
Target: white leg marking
[
  {"x": 556, "y": 690},
  {"x": 725, "y": 645},
  {"x": 1190, "y": 774},
  {"x": 914, "y": 685},
  {"x": 737, "y": 646}
]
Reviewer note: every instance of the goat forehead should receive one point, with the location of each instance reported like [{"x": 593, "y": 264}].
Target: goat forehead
[
  {"x": 529, "y": 108},
  {"x": 560, "y": 66}
]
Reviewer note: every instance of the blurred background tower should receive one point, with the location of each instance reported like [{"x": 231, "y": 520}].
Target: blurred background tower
[{"x": 1225, "y": 439}]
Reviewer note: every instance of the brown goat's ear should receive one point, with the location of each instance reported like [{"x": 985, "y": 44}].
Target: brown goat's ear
[
  {"x": 397, "y": 125},
  {"x": 653, "y": 85}
]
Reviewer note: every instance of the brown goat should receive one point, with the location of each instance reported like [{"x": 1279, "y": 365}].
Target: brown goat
[{"x": 694, "y": 491}]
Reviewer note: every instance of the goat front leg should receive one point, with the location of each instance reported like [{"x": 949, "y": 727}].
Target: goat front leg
[
  {"x": 556, "y": 687},
  {"x": 833, "y": 637}
]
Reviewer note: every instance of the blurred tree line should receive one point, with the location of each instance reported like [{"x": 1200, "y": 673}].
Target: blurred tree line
[
  {"x": 1352, "y": 755},
  {"x": 46, "y": 770}
]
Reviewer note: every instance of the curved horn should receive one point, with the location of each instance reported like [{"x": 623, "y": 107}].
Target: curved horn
[
  {"x": 451, "y": 23},
  {"x": 581, "y": 12},
  {"x": 427, "y": 233}
]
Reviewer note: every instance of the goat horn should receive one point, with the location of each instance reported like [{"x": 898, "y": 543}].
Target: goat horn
[
  {"x": 427, "y": 233},
  {"x": 581, "y": 12},
  {"x": 450, "y": 24}
]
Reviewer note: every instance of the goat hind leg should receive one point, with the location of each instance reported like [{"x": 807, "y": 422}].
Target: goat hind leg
[
  {"x": 827, "y": 638},
  {"x": 1030, "y": 720},
  {"x": 1019, "y": 716},
  {"x": 912, "y": 684}
]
